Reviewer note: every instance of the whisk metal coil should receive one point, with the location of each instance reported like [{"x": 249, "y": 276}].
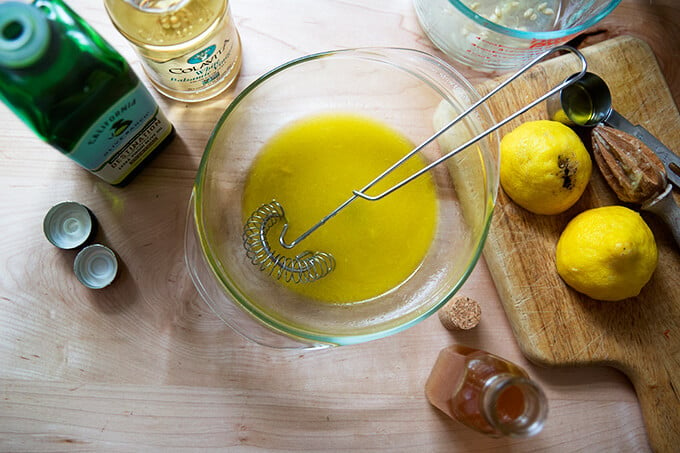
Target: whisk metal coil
[{"x": 305, "y": 267}]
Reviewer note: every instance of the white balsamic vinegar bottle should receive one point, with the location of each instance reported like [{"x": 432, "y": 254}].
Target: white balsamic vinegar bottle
[{"x": 190, "y": 49}]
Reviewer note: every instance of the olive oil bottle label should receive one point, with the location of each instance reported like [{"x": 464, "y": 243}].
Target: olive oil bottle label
[
  {"x": 122, "y": 137},
  {"x": 199, "y": 69}
]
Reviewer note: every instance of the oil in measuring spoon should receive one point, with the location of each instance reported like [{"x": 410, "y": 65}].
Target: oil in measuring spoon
[
  {"x": 313, "y": 165},
  {"x": 578, "y": 104}
]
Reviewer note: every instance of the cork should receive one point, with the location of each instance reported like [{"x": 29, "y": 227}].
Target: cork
[{"x": 460, "y": 313}]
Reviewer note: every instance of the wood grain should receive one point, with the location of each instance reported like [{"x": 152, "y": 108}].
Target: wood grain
[
  {"x": 145, "y": 366},
  {"x": 558, "y": 326}
]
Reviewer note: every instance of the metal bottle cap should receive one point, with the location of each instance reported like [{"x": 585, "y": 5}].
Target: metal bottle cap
[
  {"x": 96, "y": 266},
  {"x": 68, "y": 225}
]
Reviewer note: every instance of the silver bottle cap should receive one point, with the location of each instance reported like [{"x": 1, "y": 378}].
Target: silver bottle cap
[
  {"x": 68, "y": 225},
  {"x": 96, "y": 266}
]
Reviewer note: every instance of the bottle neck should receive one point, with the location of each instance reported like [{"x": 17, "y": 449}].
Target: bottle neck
[
  {"x": 158, "y": 6},
  {"x": 513, "y": 405},
  {"x": 24, "y": 35}
]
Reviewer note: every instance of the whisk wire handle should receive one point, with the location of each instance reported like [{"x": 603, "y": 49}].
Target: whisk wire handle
[{"x": 556, "y": 89}]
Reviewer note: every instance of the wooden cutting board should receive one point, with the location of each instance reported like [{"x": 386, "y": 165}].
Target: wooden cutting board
[{"x": 556, "y": 326}]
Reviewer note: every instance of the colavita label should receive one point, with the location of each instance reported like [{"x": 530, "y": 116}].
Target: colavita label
[{"x": 199, "y": 69}]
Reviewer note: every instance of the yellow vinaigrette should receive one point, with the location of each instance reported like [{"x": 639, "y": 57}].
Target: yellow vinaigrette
[{"x": 311, "y": 167}]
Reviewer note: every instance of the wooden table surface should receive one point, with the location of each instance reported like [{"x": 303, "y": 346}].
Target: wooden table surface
[{"x": 144, "y": 365}]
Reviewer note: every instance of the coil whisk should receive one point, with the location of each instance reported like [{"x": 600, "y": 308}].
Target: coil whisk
[
  {"x": 305, "y": 267},
  {"x": 310, "y": 266}
]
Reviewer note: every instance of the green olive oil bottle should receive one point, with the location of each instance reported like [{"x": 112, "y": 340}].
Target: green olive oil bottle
[{"x": 77, "y": 92}]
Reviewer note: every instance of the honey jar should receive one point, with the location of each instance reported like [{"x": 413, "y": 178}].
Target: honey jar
[{"x": 486, "y": 393}]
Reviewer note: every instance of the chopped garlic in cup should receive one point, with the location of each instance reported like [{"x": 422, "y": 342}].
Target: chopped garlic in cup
[{"x": 524, "y": 15}]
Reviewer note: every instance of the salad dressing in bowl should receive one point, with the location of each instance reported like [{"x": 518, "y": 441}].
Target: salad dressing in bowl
[{"x": 312, "y": 166}]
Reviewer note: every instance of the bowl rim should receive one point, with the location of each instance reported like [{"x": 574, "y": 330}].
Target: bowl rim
[
  {"x": 533, "y": 35},
  {"x": 296, "y": 332}
]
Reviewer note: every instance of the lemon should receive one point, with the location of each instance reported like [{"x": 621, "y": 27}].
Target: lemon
[
  {"x": 544, "y": 166},
  {"x": 607, "y": 253}
]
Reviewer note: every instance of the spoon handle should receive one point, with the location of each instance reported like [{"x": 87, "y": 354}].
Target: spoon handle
[
  {"x": 670, "y": 161},
  {"x": 665, "y": 207}
]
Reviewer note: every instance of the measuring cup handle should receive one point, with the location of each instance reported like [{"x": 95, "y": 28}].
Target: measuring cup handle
[{"x": 669, "y": 159}]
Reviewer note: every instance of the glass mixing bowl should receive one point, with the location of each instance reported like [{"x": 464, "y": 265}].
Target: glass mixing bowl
[{"x": 407, "y": 90}]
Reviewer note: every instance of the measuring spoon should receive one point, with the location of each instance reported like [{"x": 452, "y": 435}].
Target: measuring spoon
[{"x": 588, "y": 102}]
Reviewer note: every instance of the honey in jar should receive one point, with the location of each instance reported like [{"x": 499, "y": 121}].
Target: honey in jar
[{"x": 486, "y": 393}]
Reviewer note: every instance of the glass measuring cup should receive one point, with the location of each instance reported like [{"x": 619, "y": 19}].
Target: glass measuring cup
[{"x": 489, "y": 35}]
